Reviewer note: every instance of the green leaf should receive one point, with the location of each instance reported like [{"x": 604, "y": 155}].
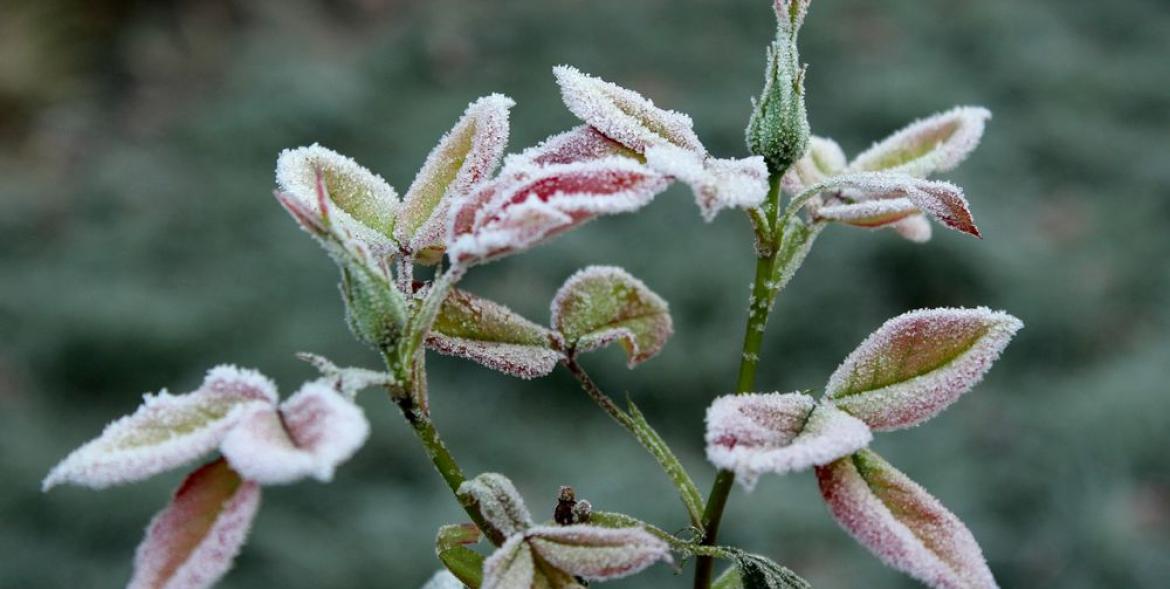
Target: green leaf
[
  {"x": 465, "y": 563},
  {"x": 492, "y": 335},
  {"x": 602, "y": 304},
  {"x": 759, "y": 572},
  {"x": 730, "y": 579},
  {"x": 375, "y": 310}
]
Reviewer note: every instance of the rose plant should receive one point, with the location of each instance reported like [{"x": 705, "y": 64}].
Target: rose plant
[{"x": 471, "y": 204}]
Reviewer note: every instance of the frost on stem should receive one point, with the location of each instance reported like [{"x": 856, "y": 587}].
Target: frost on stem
[
  {"x": 308, "y": 436},
  {"x": 937, "y": 143},
  {"x": 758, "y": 433},
  {"x": 466, "y": 156},
  {"x": 902, "y": 524},
  {"x": 602, "y": 304},
  {"x": 167, "y": 431},
  {"x": 192, "y": 543},
  {"x": 342, "y": 192},
  {"x": 528, "y": 204},
  {"x": 493, "y": 335},
  {"x": 918, "y": 363}
]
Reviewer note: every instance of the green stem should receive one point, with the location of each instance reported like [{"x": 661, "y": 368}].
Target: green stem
[{"x": 633, "y": 422}]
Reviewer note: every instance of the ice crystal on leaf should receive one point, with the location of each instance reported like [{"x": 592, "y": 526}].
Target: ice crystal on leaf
[
  {"x": 902, "y": 524},
  {"x": 823, "y": 160},
  {"x": 309, "y": 435},
  {"x": 499, "y": 502},
  {"x": 717, "y": 183},
  {"x": 596, "y": 553},
  {"x": 347, "y": 381},
  {"x": 579, "y": 144},
  {"x": 937, "y": 143},
  {"x": 443, "y": 580},
  {"x": 193, "y": 541},
  {"x": 511, "y": 567},
  {"x": 466, "y": 156},
  {"x": 918, "y": 363},
  {"x": 602, "y": 304},
  {"x": 528, "y": 204},
  {"x": 493, "y": 335},
  {"x": 757, "y": 433},
  {"x": 167, "y": 431},
  {"x": 875, "y": 199},
  {"x": 341, "y": 191},
  {"x": 624, "y": 115}
]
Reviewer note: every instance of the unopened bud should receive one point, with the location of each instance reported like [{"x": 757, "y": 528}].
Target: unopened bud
[{"x": 778, "y": 129}]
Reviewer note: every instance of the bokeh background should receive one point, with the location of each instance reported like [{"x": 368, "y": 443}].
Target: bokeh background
[{"x": 140, "y": 245}]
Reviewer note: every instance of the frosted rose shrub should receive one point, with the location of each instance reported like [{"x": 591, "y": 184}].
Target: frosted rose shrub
[{"x": 471, "y": 204}]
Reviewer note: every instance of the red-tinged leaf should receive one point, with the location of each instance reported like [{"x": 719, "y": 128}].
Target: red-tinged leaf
[
  {"x": 596, "y": 553},
  {"x": 823, "y": 160},
  {"x": 532, "y": 203},
  {"x": 934, "y": 144},
  {"x": 192, "y": 543},
  {"x": 466, "y": 156},
  {"x": 315, "y": 430},
  {"x": 353, "y": 200},
  {"x": 167, "y": 431},
  {"x": 624, "y": 115},
  {"x": 918, "y": 363},
  {"x": 600, "y": 305},
  {"x": 493, "y": 335},
  {"x": 869, "y": 213},
  {"x": 580, "y": 144},
  {"x": 757, "y": 433},
  {"x": 902, "y": 524},
  {"x": 942, "y": 200},
  {"x": 717, "y": 183}
]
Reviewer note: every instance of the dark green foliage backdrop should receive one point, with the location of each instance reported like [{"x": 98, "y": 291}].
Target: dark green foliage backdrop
[{"x": 139, "y": 245}]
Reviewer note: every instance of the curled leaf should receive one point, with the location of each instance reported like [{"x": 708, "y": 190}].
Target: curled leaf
[
  {"x": 493, "y": 335},
  {"x": 757, "y": 433},
  {"x": 624, "y": 115},
  {"x": 597, "y": 553},
  {"x": 341, "y": 192},
  {"x": 579, "y": 144},
  {"x": 312, "y": 432},
  {"x": 166, "y": 431},
  {"x": 822, "y": 160},
  {"x": 192, "y": 543},
  {"x": 498, "y": 501},
  {"x": 464, "y": 157},
  {"x": 602, "y": 304},
  {"x": 942, "y": 200},
  {"x": 717, "y": 183},
  {"x": 902, "y": 524},
  {"x": 529, "y": 204},
  {"x": 869, "y": 213},
  {"x": 935, "y": 144},
  {"x": 918, "y": 363}
]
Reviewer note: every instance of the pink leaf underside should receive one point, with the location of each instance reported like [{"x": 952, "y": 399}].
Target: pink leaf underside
[
  {"x": 596, "y": 553},
  {"x": 493, "y": 335},
  {"x": 779, "y": 433},
  {"x": 192, "y": 542},
  {"x": 167, "y": 431},
  {"x": 579, "y": 144},
  {"x": 823, "y": 160},
  {"x": 717, "y": 183},
  {"x": 499, "y": 502},
  {"x": 918, "y": 363},
  {"x": 624, "y": 115},
  {"x": 935, "y": 144},
  {"x": 941, "y": 200},
  {"x": 902, "y": 524},
  {"x": 510, "y": 566},
  {"x": 528, "y": 204},
  {"x": 466, "y": 156},
  {"x": 315, "y": 430},
  {"x": 355, "y": 201}
]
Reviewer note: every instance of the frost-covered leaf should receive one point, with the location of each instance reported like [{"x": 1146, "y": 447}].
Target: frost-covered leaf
[
  {"x": 624, "y": 115},
  {"x": 934, "y": 144},
  {"x": 757, "y": 433},
  {"x": 942, "y": 200},
  {"x": 492, "y": 335},
  {"x": 465, "y": 565},
  {"x": 918, "y": 363},
  {"x": 347, "y": 381},
  {"x": 602, "y": 304},
  {"x": 759, "y": 572},
  {"x": 167, "y": 431},
  {"x": 498, "y": 501},
  {"x": 914, "y": 228},
  {"x": 374, "y": 309},
  {"x": 315, "y": 430},
  {"x": 510, "y": 566},
  {"x": 902, "y": 524},
  {"x": 343, "y": 193},
  {"x": 579, "y": 144},
  {"x": 466, "y": 156},
  {"x": 823, "y": 160},
  {"x": 597, "y": 553},
  {"x": 531, "y": 203},
  {"x": 443, "y": 580},
  {"x": 717, "y": 183},
  {"x": 192, "y": 543},
  {"x": 869, "y": 213}
]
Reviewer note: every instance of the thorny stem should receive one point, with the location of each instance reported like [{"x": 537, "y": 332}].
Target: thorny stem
[{"x": 688, "y": 492}]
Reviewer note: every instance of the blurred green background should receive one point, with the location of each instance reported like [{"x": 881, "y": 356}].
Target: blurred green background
[{"x": 140, "y": 245}]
